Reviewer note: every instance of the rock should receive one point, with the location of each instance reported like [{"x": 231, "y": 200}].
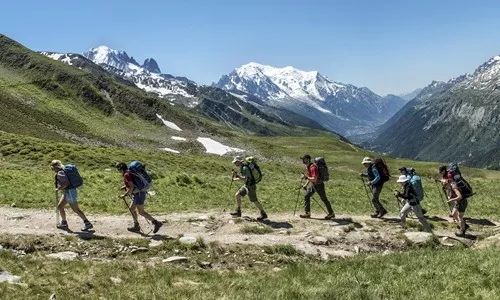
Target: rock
[
  {"x": 276, "y": 269},
  {"x": 176, "y": 259},
  {"x": 155, "y": 243},
  {"x": 340, "y": 253},
  {"x": 139, "y": 249},
  {"x": 491, "y": 241},
  {"x": 319, "y": 240},
  {"x": 199, "y": 218},
  {"x": 116, "y": 280},
  {"x": 9, "y": 278},
  {"x": 205, "y": 264},
  {"x": 284, "y": 231},
  {"x": 65, "y": 255},
  {"x": 53, "y": 297},
  {"x": 245, "y": 239},
  {"x": 419, "y": 237},
  {"x": 187, "y": 240},
  {"x": 13, "y": 205},
  {"x": 447, "y": 241}
]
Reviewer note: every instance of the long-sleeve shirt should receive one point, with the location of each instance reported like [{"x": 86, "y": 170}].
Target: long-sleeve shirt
[{"x": 376, "y": 176}]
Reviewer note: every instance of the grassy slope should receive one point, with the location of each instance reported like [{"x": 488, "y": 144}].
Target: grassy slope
[{"x": 418, "y": 274}]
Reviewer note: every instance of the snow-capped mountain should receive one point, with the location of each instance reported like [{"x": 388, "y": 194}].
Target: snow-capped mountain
[
  {"x": 146, "y": 76},
  {"x": 455, "y": 120},
  {"x": 340, "y": 107}
]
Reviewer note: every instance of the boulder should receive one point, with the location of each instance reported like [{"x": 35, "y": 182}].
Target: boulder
[
  {"x": 419, "y": 237},
  {"x": 65, "y": 255},
  {"x": 319, "y": 240},
  {"x": 187, "y": 240},
  {"x": 9, "y": 278}
]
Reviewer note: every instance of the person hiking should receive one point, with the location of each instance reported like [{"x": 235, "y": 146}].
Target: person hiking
[
  {"x": 314, "y": 185},
  {"x": 459, "y": 203},
  {"x": 249, "y": 188},
  {"x": 416, "y": 182},
  {"x": 138, "y": 199},
  {"x": 69, "y": 196},
  {"x": 411, "y": 203},
  {"x": 377, "y": 183}
]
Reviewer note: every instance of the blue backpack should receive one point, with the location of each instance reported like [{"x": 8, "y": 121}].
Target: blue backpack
[
  {"x": 416, "y": 183},
  {"x": 142, "y": 180},
  {"x": 74, "y": 178}
]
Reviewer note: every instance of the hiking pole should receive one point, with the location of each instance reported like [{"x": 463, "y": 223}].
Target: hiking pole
[
  {"x": 440, "y": 191},
  {"x": 399, "y": 202},
  {"x": 131, "y": 213},
  {"x": 317, "y": 202},
  {"x": 57, "y": 209},
  {"x": 298, "y": 196},
  {"x": 366, "y": 189}
]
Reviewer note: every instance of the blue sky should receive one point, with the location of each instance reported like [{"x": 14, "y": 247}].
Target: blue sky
[{"x": 388, "y": 46}]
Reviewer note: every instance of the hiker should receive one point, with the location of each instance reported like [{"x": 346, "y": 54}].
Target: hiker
[
  {"x": 416, "y": 182},
  {"x": 443, "y": 171},
  {"x": 376, "y": 182},
  {"x": 249, "y": 187},
  {"x": 314, "y": 185},
  {"x": 459, "y": 204},
  {"x": 69, "y": 196},
  {"x": 411, "y": 203},
  {"x": 138, "y": 199}
]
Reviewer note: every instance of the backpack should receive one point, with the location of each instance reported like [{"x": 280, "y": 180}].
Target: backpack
[
  {"x": 251, "y": 163},
  {"x": 74, "y": 178},
  {"x": 142, "y": 180},
  {"x": 324, "y": 174},
  {"x": 416, "y": 183},
  {"x": 382, "y": 169},
  {"x": 462, "y": 184}
]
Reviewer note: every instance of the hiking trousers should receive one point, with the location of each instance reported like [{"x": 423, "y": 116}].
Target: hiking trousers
[
  {"x": 417, "y": 209},
  {"x": 320, "y": 189},
  {"x": 376, "y": 189}
]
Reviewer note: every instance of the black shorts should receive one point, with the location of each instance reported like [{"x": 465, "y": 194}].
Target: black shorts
[{"x": 461, "y": 205}]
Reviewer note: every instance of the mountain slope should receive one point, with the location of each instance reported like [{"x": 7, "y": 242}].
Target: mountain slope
[
  {"x": 339, "y": 107},
  {"x": 453, "y": 121}
]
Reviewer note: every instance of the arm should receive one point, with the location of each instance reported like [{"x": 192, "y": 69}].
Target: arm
[
  {"x": 241, "y": 176},
  {"x": 377, "y": 176},
  {"x": 128, "y": 187},
  {"x": 314, "y": 174},
  {"x": 62, "y": 181},
  {"x": 457, "y": 193}
]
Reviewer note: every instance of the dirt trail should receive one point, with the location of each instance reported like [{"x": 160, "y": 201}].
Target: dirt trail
[{"x": 343, "y": 236}]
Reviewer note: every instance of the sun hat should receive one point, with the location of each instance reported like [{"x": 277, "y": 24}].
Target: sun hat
[
  {"x": 366, "y": 160},
  {"x": 237, "y": 158},
  {"x": 402, "y": 178}
]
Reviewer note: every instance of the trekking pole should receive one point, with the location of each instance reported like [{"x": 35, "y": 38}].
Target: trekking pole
[
  {"x": 366, "y": 189},
  {"x": 443, "y": 198},
  {"x": 317, "y": 202},
  {"x": 399, "y": 202},
  {"x": 132, "y": 214},
  {"x": 298, "y": 196},
  {"x": 57, "y": 209}
]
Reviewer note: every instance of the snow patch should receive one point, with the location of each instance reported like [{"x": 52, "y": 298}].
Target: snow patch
[
  {"x": 168, "y": 123},
  {"x": 215, "y": 147},
  {"x": 178, "y": 138}
]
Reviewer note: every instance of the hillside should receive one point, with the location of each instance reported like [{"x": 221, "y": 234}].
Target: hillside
[{"x": 452, "y": 121}]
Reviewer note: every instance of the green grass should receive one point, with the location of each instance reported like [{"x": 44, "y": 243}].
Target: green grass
[
  {"x": 198, "y": 182},
  {"x": 416, "y": 274},
  {"x": 256, "y": 229}
]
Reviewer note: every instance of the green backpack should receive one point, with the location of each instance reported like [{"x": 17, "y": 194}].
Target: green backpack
[{"x": 251, "y": 163}]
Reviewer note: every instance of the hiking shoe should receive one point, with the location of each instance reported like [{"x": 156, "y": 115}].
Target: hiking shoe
[
  {"x": 63, "y": 225},
  {"x": 87, "y": 226},
  {"x": 305, "y": 216},
  {"x": 374, "y": 215},
  {"x": 158, "y": 225},
  {"x": 382, "y": 213},
  {"x": 135, "y": 228},
  {"x": 466, "y": 226},
  {"x": 262, "y": 217},
  {"x": 424, "y": 211},
  {"x": 236, "y": 214},
  {"x": 330, "y": 216}
]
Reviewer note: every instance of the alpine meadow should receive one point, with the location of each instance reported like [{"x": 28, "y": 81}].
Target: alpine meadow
[{"x": 125, "y": 180}]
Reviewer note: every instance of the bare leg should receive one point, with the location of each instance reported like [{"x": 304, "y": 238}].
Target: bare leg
[
  {"x": 133, "y": 211},
  {"x": 142, "y": 212},
  {"x": 238, "y": 201},
  {"x": 60, "y": 206},
  {"x": 78, "y": 211}
]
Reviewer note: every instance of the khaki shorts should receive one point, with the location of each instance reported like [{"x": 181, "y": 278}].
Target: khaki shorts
[{"x": 251, "y": 191}]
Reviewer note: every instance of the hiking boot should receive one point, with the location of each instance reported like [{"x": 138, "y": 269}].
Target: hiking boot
[
  {"x": 87, "y": 226},
  {"x": 157, "y": 225},
  {"x": 330, "y": 216},
  {"x": 135, "y": 228},
  {"x": 382, "y": 213},
  {"x": 466, "y": 226},
  {"x": 63, "y": 225},
  {"x": 424, "y": 211},
  {"x": 305, "y": 215},
  {"x": 262, "y": 217},
  {"x": 374, "y": 215},
  {"x": 236, "y": 214}
]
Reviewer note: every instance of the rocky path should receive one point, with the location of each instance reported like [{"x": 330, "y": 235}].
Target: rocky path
[{"x": 341, "y": 237}]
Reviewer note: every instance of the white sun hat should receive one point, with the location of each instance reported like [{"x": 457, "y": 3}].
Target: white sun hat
[
  {"x": 402, "y": 178},
  {"x": 366, "y": 160}
]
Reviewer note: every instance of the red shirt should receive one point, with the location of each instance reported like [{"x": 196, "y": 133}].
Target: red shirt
[
  {"x": 127, "y": 179},
  {"x": 312, "y": 171}
]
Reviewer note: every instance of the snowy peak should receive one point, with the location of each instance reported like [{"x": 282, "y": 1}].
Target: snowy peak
[
  {"x": 151, "y": 65},
  {"x": 105, "y": 55}
]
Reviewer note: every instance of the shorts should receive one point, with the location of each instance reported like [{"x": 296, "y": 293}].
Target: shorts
[
  {"x": 461, "y": 205},
  {"x": 139, "y": 198},
  {"x": 250, "y": 190},
  {"x": 71, "y": 196}
]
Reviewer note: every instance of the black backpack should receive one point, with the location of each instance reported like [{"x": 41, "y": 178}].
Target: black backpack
[
  {"x": 382, "y": 169},
  {"x": 462, "y": 184},
  {"x": 255, "y": 171},
  {"x": 324, "y": 174}
]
